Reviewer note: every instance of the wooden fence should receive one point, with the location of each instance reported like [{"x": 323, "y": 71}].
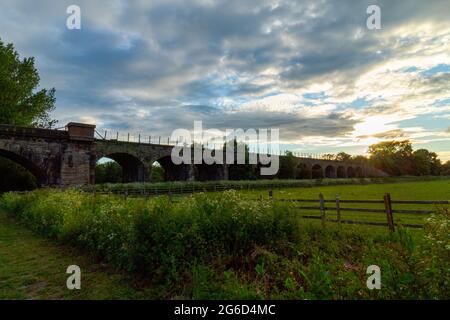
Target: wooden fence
[
  {"x": 338, "y": 205},
  {"x": 180, "y": 189}
]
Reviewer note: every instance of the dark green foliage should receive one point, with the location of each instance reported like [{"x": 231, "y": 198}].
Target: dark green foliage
[
  {"x": 20, "y": 103},
  {"x": 342, "y": 156},
  {"x": 398, "y": 158},
  {"x": 426, "y": 163},
  {"x": 157, "y": 174},
  {"x": 445, "y": 169},
  {"x": 14, "y": 177},
  {"x": 108, "y": 172}
]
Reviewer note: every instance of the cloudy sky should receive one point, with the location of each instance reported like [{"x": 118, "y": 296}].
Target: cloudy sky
[{"x": 310, "y": 68}]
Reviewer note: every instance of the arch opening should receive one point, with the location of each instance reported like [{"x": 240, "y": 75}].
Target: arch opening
[
  {"x": 330, "y": 172},
  {"x": 341, "y": 172},
  {"x": 133, "y": 169},
  {"x": 359, "y": 172},
  {"x": 19, "y": 173},
  {"x": 303, "y": 171},
  {"x": 108, "y": 170},
  {"x": 205, "y": 172},
  {"x": 350, "y": 172},
  {"x": 157, "y": 172},
  {"x": 317, "y": 172},
  {"x": 173, "y": 172}
]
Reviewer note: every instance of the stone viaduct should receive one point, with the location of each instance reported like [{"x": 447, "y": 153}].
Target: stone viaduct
[{"x": 68, "y": 158}]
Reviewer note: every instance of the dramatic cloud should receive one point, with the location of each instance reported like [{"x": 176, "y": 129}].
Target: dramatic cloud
[{"x": 310, "y": 68}]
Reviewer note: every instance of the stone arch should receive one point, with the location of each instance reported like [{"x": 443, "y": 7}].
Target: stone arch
[
  {"x": 330, "y": 172},
  {"x": 317, "y": 171},
  {"x": 133, "y": 168},
  {"x": 340, "y": 173},
  {"x": 173, "y": 172},
  {"x": 205, "y": 172},
  {"x": 39, "y": 173},
  {"x": 304, "y": 171},
  {"x": 350, "y": 172},
  {"x": 359, "y": 172}
]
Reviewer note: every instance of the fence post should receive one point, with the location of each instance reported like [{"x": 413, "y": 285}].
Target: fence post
[
  {"x": 322, "y": 208},
  {"x": 388, "y": 209},
  {"x": 270, "y": 194},
  {"x": 338, "y": 209}
]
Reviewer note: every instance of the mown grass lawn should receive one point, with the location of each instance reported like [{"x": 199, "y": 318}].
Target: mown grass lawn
[
  {"x": 33, "y": 267},
  {"x": 425, "y": 190},
  {"x": 419, "y": 190}
]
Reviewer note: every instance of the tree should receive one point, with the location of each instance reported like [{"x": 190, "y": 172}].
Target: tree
[
  {"x": 342, "y": 156},
  {"x": 21, "y": 104},
  {"x": 157, "y": 173},
  {"x": 445, "y": 169},
  {"x": 398, "y": 158},
  {"x": 20, "y": 101},
  {"x": 108, "y": 172},
  {"x": 426, "y": 163},
  {"x": 393, "y": 157},
  {"x": 329, "y": 156}
]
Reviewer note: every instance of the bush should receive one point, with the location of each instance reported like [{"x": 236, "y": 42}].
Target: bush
[
  {"x": 435, "y": 258},
  {"x": 204, "y": 227},
  {"x": 158, "y": 235}
]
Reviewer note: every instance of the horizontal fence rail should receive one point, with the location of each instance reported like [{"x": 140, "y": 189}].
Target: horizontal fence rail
[
  {"x": 387, "y": 209},
  {"x": 197, "y": 187}
]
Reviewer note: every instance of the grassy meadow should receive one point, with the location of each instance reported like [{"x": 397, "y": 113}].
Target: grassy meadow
[
  {"x": 221, "y": 245},
  {"x": 416, "y": 190}
]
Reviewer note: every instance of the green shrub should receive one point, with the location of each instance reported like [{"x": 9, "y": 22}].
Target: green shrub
[
  {"x": 155, "y": 236},
  {"x": 171, "y": 237},
  {"x": 435, "y": 254}
]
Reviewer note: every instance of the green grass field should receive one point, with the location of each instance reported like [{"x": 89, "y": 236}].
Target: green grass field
[{"x": 426, "y": 190}]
